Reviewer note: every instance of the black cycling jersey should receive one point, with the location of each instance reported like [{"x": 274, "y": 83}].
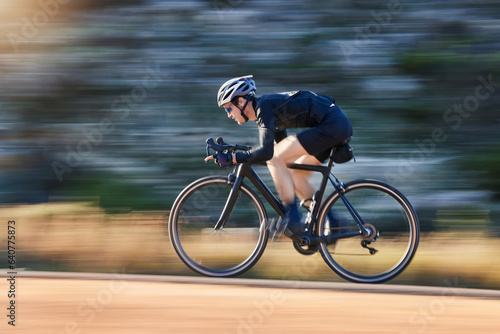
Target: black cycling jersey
[{"x": 277, "y": 112}]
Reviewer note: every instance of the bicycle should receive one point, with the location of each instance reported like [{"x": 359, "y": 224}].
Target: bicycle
[{"x": 219, "y": 226}]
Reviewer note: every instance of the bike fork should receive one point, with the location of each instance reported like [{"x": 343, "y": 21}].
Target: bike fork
[{"x": 231, "y": 200}]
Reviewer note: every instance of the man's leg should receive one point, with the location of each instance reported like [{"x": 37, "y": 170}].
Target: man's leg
[{"x": 286, "y": 151}]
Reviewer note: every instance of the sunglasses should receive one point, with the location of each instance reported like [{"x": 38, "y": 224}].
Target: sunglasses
[{"x": 228, "y": 109}]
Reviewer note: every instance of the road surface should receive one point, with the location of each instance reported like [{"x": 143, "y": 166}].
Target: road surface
[{"x": 121, "y": 303}]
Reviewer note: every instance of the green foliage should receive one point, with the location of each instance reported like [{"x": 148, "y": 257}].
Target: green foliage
[
  {"x": 486, "y": 159},
  {"x": 114, "y": 193},
  {"x": 432, "y": 62}
]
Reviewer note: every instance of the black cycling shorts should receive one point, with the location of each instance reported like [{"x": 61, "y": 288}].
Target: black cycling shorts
[{"x": 333, "y": 129}]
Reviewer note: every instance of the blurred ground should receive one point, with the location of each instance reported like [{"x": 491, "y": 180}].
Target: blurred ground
[
  {"x": 119, "y": 306},
  {"x": 82, "y": 237}
]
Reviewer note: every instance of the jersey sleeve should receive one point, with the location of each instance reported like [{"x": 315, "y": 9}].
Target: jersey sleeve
[{"x": 266, "y": 122}]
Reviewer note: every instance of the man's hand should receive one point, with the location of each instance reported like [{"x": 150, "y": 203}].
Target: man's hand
[{"x": 221, "y": 158}]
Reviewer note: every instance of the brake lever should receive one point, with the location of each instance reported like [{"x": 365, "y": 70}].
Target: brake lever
[
  {"x": 221, "y": 141},
  {"x": 212, "y": 145}
]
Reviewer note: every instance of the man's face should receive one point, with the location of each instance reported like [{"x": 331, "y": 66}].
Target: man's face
[{"x": 234, "y": 113}]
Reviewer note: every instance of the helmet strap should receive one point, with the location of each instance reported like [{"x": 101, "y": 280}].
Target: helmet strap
[
  {"x": 244, "y": 116},
  {"x": 244, "y": 107}
]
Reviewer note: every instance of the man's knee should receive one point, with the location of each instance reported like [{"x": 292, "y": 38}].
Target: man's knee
[
  {"x": 271, "y": 162},
  {"x": 276, "y": 161}
]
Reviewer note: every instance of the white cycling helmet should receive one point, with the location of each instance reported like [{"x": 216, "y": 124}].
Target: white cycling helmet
[{"x": 235, "y": 87}]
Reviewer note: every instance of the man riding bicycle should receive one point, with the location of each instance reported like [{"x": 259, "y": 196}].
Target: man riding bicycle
[{"x": 327, "y": 126}]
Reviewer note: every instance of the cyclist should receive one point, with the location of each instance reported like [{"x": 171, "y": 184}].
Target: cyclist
[{"x": 274, "y": 113}]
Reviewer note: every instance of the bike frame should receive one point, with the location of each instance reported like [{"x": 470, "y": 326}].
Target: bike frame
[{"x": 245, "y": 170}]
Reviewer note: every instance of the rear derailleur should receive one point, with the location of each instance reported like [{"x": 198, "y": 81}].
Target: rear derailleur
[{"x": 372, "y": 236}]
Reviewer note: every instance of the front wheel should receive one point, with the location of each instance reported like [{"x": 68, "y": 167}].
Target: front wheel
[
  {"x": 362, "y": 259},
  {"x": 225, "y": 252}
]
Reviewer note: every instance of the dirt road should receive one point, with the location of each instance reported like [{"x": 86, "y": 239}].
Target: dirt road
[{"x": 117, "y": 305}]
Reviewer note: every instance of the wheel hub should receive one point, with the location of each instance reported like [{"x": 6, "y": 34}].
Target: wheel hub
[{"x": 372, "y": 234}]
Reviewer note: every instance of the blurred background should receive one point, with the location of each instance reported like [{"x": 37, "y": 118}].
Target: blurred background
[{"x": 105, "y": 107}]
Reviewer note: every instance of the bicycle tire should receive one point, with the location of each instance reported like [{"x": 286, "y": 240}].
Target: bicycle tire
[
  {"x": 224, "y": 253},
  {"x": 382, "y": 206}
]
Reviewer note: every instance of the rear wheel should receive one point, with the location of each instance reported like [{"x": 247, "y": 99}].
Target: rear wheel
[
  {"x": 226, "y": 252},
  {"x": 388, "y": 250}
]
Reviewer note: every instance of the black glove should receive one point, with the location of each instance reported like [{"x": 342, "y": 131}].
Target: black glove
[{"x": 224, "y": 159}]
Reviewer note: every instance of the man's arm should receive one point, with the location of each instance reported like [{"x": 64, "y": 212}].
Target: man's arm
[{"x": 260, "y": 154}]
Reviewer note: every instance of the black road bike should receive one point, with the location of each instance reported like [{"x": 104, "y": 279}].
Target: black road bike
[{"x": 365, "y": 230}]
